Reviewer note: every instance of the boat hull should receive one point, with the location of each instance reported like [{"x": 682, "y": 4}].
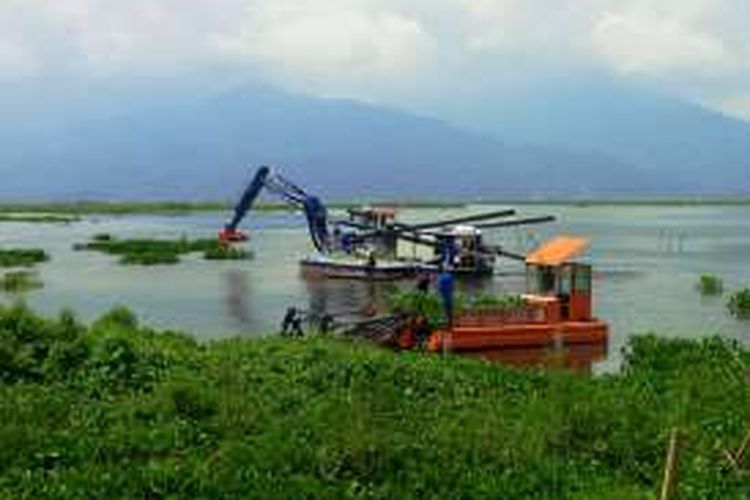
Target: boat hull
[
  {"x": 332, "y": 268},
  {"x": 482, "y": 338}
]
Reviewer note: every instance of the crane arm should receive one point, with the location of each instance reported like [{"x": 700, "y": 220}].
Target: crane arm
[
  {"x": 313, "y": 208},
  {"x": 248, "y": 198}
]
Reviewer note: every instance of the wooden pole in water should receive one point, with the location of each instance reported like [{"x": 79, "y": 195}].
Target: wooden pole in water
[
  {"x": 737, "y": 458},
  {"x": 670, "y": 468}
]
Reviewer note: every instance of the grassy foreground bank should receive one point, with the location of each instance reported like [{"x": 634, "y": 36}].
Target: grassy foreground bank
[{"x": 118, "y": 410}]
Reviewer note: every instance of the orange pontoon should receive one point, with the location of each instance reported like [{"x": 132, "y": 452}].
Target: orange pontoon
[{"x": 557, "y": 308}]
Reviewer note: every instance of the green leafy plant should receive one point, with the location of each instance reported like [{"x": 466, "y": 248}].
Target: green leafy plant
[
  {"x": 118, "y": 410},
  {"x": 710, "y": 284},
  {"x": 415, "y": 303},
  {"x": 223, "y": 252},
  {"x": 142, "y": 251},
  {"x": 739, "y": 304},
  {"x": 22, "y": 257}
]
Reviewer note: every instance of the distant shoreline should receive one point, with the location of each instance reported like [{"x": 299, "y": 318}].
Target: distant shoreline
[{"x": 179, "y": 208}]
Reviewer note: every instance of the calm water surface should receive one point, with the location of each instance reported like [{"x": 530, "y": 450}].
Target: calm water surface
[{"x": 647, "y": 259}]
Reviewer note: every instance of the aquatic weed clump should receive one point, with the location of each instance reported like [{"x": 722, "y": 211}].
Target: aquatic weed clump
[
  {"x": 143, "y": 251},
  {"x": 224, "y": 252},
  {"x": 39, "y": 218},
  {"x": 710, "y": 284},
  {"x": 22, "y": 257},
  {"x": 739, "y": 304}
]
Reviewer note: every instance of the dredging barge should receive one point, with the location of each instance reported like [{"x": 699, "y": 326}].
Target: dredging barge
[
  {"x": 366, "y": 244},
  {"x": 557, "y": 310}
]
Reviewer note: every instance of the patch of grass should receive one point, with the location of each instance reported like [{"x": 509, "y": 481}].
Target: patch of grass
[
  {"x": 149, "y": 258},
  {"x": 142, "y": 251},
  {"x": 116, "y": 409},
  {"x": 22, "y": 257},
  {"x": 19, "y": 281},
  {"x": 739, "y": 304},
  {"x": 710, "y": 284}
]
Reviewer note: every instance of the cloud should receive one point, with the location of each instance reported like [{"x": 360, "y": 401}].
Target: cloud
[
  {"x": 15, "y": 62},
  {"x": 386, "y": 49},
  {"x": 653, "y": 43},
  {"x": 331, "y": 45}
]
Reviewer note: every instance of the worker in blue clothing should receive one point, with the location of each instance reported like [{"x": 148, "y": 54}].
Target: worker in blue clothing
[{"x": 446, "y": 285}]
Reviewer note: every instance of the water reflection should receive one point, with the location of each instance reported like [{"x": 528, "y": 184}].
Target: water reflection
[
  {"x": 348, "y": 298},
  {"x": 576, "y": 358},
  {"x": 237, "y": 297}
]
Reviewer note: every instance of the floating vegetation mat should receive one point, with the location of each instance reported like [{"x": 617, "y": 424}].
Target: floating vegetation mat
[
  {"x": 39, "y": 218},
  {"x": 160, "y": 251},
  {"x": 22, "y": 257},
  {"x": 710, "y": 284}
]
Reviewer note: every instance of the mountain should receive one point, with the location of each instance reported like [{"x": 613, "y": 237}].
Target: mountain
[
  {"x": 703, "y": 150},
  {"x": 169, "y": 140}
]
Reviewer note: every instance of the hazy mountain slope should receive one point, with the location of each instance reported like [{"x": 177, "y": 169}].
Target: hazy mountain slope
[
  {"x": 110, "y": 140},
  {"x": 705, "y": 150}
]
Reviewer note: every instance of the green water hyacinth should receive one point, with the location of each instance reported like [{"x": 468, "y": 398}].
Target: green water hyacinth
[
  {"x": 710, "y": 284},
  {"x": 22, "y": 257},
  {"x": 116, "y": 409},
  {"x": 739, "y": 304},
  {"x": 144, "y": 251}
]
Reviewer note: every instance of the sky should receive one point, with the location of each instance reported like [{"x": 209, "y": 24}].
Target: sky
[{"x": 412, "y": 54}]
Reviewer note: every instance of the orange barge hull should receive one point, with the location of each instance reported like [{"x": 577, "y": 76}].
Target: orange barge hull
[{"x": 478, "y": 338}]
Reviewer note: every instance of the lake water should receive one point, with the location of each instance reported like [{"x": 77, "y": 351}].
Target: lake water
[{"x": 647, "y": 260}]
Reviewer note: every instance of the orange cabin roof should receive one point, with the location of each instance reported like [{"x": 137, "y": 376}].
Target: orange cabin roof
[{"x": 557, "y": 251}]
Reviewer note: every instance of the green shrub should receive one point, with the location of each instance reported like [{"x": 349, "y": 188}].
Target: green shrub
[
  {"x": 120, "y": 411},
  {"x": 430, "y": 305},
  {"x": 419, "y": 304},
  {"x": 118, "y": 316},
  {"x": 102, "y": 237},
  {"x": 710, "y": 284},
  {"x": 22, "y": 257},
  {"x": 739, "y": 304}
]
